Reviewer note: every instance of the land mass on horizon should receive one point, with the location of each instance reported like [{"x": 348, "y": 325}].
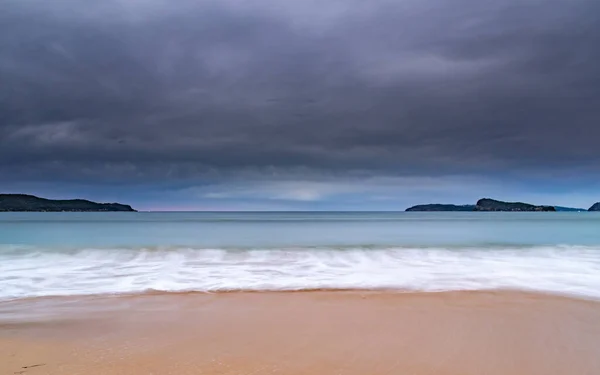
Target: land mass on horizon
[
  {"x": 436, "y": 207},
  {"x": 31, "y": 203},
  {"x": 487, "y": 204}
]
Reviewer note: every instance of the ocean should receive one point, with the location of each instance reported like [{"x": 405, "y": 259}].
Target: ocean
[{"x": 62, "y": 254}]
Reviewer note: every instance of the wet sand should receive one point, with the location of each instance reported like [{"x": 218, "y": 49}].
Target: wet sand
[{"x": 459, "y": 333}]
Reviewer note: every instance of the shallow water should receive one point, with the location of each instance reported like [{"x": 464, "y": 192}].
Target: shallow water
[{"x": 44, "y": 254}]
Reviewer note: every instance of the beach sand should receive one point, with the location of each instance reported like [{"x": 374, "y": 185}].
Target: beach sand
[{"x": 453, "y": 333}]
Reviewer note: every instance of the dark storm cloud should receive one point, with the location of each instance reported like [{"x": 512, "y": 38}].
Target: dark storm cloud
[{"x": 148, "y": 90}]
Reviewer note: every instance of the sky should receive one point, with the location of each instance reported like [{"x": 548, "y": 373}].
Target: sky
[{"x": 301, "y": 104}]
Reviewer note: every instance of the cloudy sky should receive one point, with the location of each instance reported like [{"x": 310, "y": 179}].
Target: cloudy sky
[{"x": 301, "y": 104}]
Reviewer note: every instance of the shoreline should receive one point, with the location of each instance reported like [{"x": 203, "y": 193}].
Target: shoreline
[
  {"x": 375, "y": 290},
  {"x": 300, "y": 332},
  {"x": 371, "y": 291}
]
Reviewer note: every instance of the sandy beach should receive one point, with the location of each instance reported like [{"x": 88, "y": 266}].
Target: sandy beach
[{"x": 454, "y": 333}]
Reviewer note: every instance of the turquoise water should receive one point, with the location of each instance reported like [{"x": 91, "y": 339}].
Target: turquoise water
[
  {"x": 89, "y": 253},
  {"x": 297, "y": 229}
]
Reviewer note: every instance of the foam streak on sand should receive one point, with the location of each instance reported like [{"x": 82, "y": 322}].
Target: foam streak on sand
[{"x": 37, "y": 271}]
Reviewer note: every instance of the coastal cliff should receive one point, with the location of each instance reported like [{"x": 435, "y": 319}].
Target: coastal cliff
[
  {"x": 30, "y": 203},
  {"x": 595, "y": 207},
  {"x": 487, "y": 204}
]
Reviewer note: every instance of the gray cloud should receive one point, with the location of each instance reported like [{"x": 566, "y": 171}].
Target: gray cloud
[{"x": 141, "y": 91}]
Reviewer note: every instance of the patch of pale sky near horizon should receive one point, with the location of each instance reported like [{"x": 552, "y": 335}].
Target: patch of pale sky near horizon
[
  {"x": 397, "y": 190},
  {"x": 342, "y": 194}
]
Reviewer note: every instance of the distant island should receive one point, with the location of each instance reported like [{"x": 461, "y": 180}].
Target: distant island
[
  {"x": 30, "y": 203},
  {"x": 487, "y": 204},
  {"x": 441, "y": 207}
]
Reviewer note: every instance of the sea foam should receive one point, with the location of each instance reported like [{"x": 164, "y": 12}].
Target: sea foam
[{"x": 37, "y": 271}]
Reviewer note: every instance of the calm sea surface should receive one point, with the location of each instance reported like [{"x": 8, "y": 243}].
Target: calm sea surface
[{"x": 45, "y": 254}]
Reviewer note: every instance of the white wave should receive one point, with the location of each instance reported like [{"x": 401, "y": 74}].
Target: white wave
[{"x": 31, "y": 272}]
